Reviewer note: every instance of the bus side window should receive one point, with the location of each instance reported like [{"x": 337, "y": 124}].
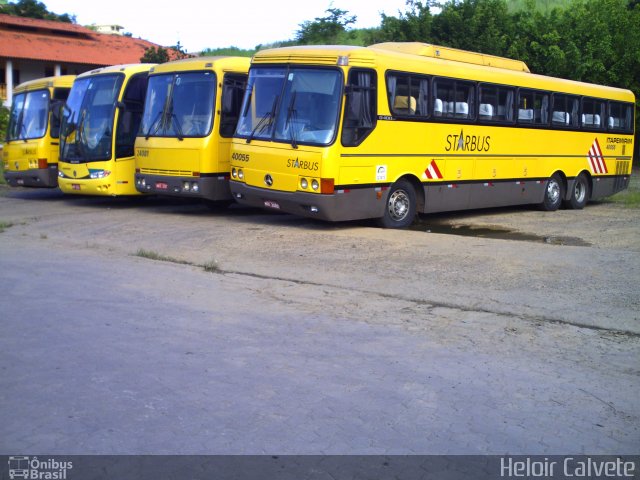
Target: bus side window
[
  {"x": 496, "y": 103},
  {"x": 360, "y": 113},
  {"x": 408, "y": 94},
  {"x": 57, "y": 103},
  {"x": 454, "y": 98},
  {"x": 131, "y": 115},
  {"x": 593, "y": 113},
  {"x": 533, "y": 107},
  {"x": 620, "y": 117},
  {"x": 565, "y": 110},
  {"x": 232, "y": 92}
]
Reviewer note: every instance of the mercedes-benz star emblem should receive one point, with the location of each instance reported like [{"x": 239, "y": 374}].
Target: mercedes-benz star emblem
[{"x": 268, "y": 180}]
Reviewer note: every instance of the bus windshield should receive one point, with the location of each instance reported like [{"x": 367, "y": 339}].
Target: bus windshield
[
  {"x": 87, "y": 121},
  {"x": 29, "y": 116},
  {"x": 179, "y": 105},
  {"x": 293, "y": 105}
]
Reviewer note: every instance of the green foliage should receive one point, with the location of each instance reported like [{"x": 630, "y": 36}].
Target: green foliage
[
  {"x": 331, "y": 29},
  {"x": 228, "y": 51},
  {"x": 4, "y": 122},
  {"x": 407, "y": 27},
  {"x": 155, "y": 55},
  {"x": 35, "y": 9},
  {"x": 543, "y": 6},
  {"x": 631, "y": 196},
  {"x": 163, "y": 55}
]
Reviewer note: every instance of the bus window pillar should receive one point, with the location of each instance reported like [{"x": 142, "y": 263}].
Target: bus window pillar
[{"x": 8, "y": 75}]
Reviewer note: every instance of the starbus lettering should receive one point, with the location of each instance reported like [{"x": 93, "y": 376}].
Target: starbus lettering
[
  {"x": 302, "y": 164},
  {"x": 468, "y": 143}
]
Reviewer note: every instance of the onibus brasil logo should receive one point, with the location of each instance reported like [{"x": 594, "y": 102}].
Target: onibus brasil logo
[{"x": 37, "y": 469}]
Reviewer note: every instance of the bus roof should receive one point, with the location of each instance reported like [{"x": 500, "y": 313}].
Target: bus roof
[
  {"x": 424, "y": 58},
  {"x": 46, "y": 82},
  {"x": 446, "y": 53},
  {"x": 226, "y": 63},
  {"x": 130, "y": 68}
]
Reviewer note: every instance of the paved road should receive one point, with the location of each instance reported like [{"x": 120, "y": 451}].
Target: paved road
[{"x": 105, "y": 352}]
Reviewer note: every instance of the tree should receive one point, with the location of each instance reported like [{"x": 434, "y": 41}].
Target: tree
[
  {"x": 162, "y": 55},
  {"x": 35, "y": 9},
  {"x": 414, "y": 25},
  {"x": 155, "y": 55},
  {"x": 325, "y": 30}
]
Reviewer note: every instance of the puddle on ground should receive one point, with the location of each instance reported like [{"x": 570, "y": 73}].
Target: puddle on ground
[{"x": 495, "y": 232}]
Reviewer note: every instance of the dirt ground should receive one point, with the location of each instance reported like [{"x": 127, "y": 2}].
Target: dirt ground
[{"x": 505, "y": 330}]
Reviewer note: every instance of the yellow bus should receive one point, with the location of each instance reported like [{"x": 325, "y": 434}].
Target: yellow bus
[
  {"x": 191, "y": 110},
  {"x": 30, "y": 153},
  {"x": 386, "y": 131},
  {"x": 98, "y": 131}
]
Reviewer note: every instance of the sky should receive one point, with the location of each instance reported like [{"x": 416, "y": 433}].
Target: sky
[{"x": 197, "y": 24}]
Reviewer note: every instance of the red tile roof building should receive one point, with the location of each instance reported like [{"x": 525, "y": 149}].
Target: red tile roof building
[{"x": 32, "y": 48}]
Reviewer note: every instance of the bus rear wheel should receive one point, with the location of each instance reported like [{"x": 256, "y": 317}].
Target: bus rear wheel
[
  {"x": 400, "y": 209},
  {"x": 553, "y": 194},
  {"x": 579, "y": 194}
]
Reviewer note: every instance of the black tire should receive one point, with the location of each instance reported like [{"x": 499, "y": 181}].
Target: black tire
[
  {"x": 580, "y": 193},
  {"x": 400, "y": 207},
  {"x": 553, "y": 194}
]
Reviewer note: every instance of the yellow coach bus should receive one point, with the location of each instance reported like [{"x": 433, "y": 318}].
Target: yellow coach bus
[
  {"x": 191, "y": 110},
  {"x": 342, "y": 133},
  {"x": 30, "y": 154},
  {"x": 98, "y": 130}
]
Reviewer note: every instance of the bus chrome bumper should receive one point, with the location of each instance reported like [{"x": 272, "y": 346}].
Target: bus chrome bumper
[
  {"x": 336, "y": 207},
  {"x": 214, "y": 187},
  {"x": 34, "y": 177}
]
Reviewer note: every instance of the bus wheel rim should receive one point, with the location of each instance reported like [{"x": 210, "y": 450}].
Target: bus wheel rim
[
  {"x": 579, "y": 192},
  {"x": 399, "y": 205},
  {"x": 553, "y": 191}
]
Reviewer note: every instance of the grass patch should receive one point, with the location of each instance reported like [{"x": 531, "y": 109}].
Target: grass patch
[
  {"x": 150, "y": 254},
  {"x": 631, "y": 196},
  {"x": 211, "y": 267},
  {"x": 5, "y": 225}
]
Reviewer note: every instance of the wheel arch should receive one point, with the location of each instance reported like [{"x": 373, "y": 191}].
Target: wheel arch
[
  {"x": 417, "y": 187},
  {"x": 568, "y": 184}
]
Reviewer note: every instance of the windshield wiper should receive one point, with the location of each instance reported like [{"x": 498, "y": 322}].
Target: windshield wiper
[
  {"x": 23, "y": 132},
  {"x": 176, "y": 123},
  {"x": 265, "y": 121},
  {"x": 292, "y": 120},
  {"x": 155, "y": 125}
]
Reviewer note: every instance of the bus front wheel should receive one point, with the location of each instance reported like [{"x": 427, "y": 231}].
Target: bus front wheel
[
  {"x": 553, "y": 194},
  {"x": 400, "y": 209},
  {"x": 580, "y": 193}
]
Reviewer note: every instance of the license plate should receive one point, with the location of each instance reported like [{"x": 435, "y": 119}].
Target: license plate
[
  {"x": 20, "y": 181},
  {"x": 75, "y": 186},
  {"x": 272, "y": 204},
  {"x": 161, "y": 186}
]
